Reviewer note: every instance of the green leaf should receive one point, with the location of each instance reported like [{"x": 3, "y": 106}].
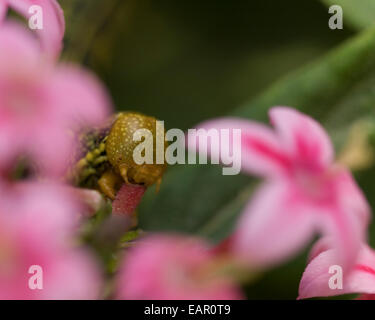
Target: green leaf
[
  {"x": 359, "y": 14},
  {"x": 336, "y": 90}
]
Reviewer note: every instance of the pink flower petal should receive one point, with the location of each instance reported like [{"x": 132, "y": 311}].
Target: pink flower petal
[
  {"x": 273, "y": 226},
  {"x": 79, "y": 96},
  {"x": 303, "y": 137},
  {"x": 41, "y": 104},
  {"x": 65, "y": 274},
  {"x": 49, "y": 203},
  {"x": 18, "y": 50},
  {"x": 362, "y": 279},
  {"x": 53, "y": 22},
  {"x": 346, "y": 234},
  {"x": 3, "y": 10},
  {"x": 346, "y": 221},
  {"x": 37, "y": 227},
  {"x": 51, "y": 161},
  {"x": 19, "y": 62},
  {"x": 315, "y": 279},
  {"x": 91, "y": 200},
  {"x": 260, "y": 149},
  {"x": 73, "y": 275},
  {"x": 165, "y": 267},
  {"x": 352, "y": 198},
  {"x": 323, "y": 244}
]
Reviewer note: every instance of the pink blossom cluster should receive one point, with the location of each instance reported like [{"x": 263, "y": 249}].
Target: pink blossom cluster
[
  {"x": 40, "y": 101},
  {"x": 304, "y": 192},
  {"x": 52, "y": 32},
  {"x": 174, "y": 267}
]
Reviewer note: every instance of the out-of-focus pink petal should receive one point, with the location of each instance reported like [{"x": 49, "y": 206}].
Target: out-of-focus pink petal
[
  {"x": 303, "y": 137},
  {"x": 53, "y": 152},
  {"x": 362, "y": 278},
  {"x": 346, "y": 232},
  {"x": 315, "y": 279},
  {"x": 72, "y": 275},
  {"x": 347, "y": 219},
  {"x": 19, "y": 62},
  {"x": 172, "y": 267},
  {"x": 79, "y": 97},
  {"x": 18, "y": 50},
  {"x": 351, "y": 197},
  {"x": 91, "y": 200},
  {"x": 37, "y": 227},
  {"x": 65, "y": 274},
  {"x": 274, "y": 225},
  {"x": 53, "y": 22},
  {"x": 40, "y": 104},
  {"x": 261, "y": 153},
  {"x": 323, "y": 244},
  {"x": 48, "y": 203},
  {"x": 3, "y": 10}
]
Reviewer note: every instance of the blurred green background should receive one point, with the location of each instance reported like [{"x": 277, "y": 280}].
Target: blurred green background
[{"x": 186, "y": 61}]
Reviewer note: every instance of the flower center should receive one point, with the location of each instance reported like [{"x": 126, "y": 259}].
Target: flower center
[{"x": 316, "y": 185}]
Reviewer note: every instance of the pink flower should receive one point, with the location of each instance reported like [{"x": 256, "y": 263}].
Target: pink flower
[
  {"x": 36, "y": 229},
  {"x": 91, "y": 200},
  {"x": 3, "y": 10},
  {"x": 50, "y": 203},
  {"x": 304, "y": 191},
  {"x": 52, "y": 33},
  {"x": 317, "y": 279},
  {"x": 41, "y": 103},
  {"x": 172, "y": 267}
]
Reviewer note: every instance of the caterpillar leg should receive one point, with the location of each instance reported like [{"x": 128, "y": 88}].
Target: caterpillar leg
[
  {"x": 107, "y": 183},
  {"x": 124, "y": 173}
]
